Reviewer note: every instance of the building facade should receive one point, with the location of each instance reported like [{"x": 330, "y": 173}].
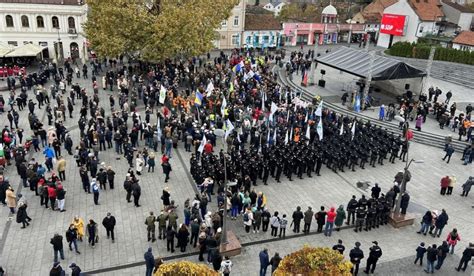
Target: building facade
[
  {"x": 230, "y": 33},
  {"x": 321, "y": 33},
  {"x": 262, "y": 31},
  {"x": 464, "y": 41},
  {"x": 421, "y": 17},
  {"x": 55, "y": 24}
]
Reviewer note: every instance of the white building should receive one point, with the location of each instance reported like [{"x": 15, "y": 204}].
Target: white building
[
  {"x": 464, "y": 41},
  {"x": 230, "y": 34},
  {"x": 421, "y": 17},
  {"x": 459, "y": 16},
  {"x": 274, "y": 6},
  {"x": 262, "y": 31},
  {"x": 55, "y": 24}
]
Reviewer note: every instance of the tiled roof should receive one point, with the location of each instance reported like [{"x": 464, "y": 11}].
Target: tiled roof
[
  {"x": 261, "y": 22},
  {"x": 465, "y": 38},
  {"x": 427, "y": 10},
  {"x": 51, "y": 2},
  {"x": 458, "y": 7},
  {"x": 373, "y": 12}
]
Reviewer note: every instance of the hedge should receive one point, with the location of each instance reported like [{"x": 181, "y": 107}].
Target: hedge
[{"x": 422, "y": 51}]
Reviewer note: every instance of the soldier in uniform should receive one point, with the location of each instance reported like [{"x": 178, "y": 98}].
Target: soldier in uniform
[
  {"x": 373, "y": 156},
  {"x": 351, "y": 209},
  {"x": 370, "y": 221}
]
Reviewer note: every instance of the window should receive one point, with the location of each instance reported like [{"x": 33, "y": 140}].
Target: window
[
  {"x": 224, "y": 23},
  {"x": 55, "y": 22},
  {"x": 9, "y": 21},
  {"x": 27, "y": 42},
  {"x": 24, "y": 21},
  {"x": 43, "y": 43},
  {"x": 39, "y": 22},
  {"x": 71, "y": 23},
  {"x": 236, "y": 21},
  {"x": 235, "y": 39},
  {"x": 421, "y": 29},
  {"x": 13, "y": 43}
]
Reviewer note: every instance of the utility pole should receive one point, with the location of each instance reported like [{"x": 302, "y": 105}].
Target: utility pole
[
  {"x": 368, "y": 79},
  {"x": 424, "y": 85}
]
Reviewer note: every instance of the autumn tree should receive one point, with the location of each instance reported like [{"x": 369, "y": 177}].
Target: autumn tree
[
  {"x": 154, "y": 29},
  {"x": 184, "y": 268},
  {"x": 300, "y": 12},
  {"x": 314, "y": 261}
]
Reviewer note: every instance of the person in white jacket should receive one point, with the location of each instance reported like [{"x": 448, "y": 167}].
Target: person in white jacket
[{"x": 248, "y": 219}]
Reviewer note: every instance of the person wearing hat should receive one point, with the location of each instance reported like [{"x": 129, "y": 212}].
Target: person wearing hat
[
  {"x": 109, "y": 223},
  {"x": 56, "y": 270},
  {"x": 374, "y": 255},
  {"x": 356, "y": 255},
  {"x": 75, "y": 270}
]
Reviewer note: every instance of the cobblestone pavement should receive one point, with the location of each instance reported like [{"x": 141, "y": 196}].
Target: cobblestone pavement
[{"x": 28, "y": 251}]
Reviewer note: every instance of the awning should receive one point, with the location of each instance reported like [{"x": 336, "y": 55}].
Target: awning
[
  {"x": 27, "y": 50},
  {"x": 357, "y": 62},
  {"x": 5, "y": 50}
]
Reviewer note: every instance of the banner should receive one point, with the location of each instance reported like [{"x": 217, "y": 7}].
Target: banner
[{"x": 392, "y": 24}]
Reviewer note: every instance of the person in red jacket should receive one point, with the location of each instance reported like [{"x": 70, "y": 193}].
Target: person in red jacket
[
  {"x": 444, "y": 184},
  {"x": 331, "y": 216},
  {"x": 52, "y": 195},
  {"x": 208, "y": 147},
  {"x": 452, "y": 239}
]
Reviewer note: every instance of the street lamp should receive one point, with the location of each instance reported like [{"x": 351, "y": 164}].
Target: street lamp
[
  {"x": 404, "y": 183},
  {"x": 221, "y": 134}
]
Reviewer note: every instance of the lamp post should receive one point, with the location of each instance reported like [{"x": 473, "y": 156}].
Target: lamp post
[{"x": 221, "y": 134}]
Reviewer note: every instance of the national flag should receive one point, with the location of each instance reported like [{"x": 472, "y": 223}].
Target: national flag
[
  {"x": 198, "y": 99},
  {"x": 229, "y": 128},
  {"x": 319, "y": 110},
  {"x": 203, "y": 143},
  {"x": 162, "y": 94},
  {"x": 273, "y": 108},
  {"x": 319, "y": 129},
  {"x": 238, "y": 67},
  {"x": 209, "y": 89},
  {"x": 223, "y": 106},
  {"x": 353, "y": 129}
]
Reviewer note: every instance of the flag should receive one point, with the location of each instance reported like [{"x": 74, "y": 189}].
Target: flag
[
  {"x": 238, "y": 135},
  {"x": 238, "y": 67},
  {"x": 223, "y": 106},
  {"x": 209, "y": 89},
  {"x": 306, "y": 117},
  {"x": 275, "y": 136},
  {"x": 305, "y": 79},
  {"x": 308, "y": 135},
  {"x": 319, "y": 110},
  {"x": 353, "y": 129},
  {"x": 268, "y": 137},
  {"x": 273, "y": 109},
  {"x": 286, "y": 138},
  {"x": 288, "y": 116},
  {"x": 162, "y": 94},
  {"x": 319, "y": 129},
  {"x": 291, "y": 134},
  {"x": 229, "y": 128},
  {"x": 357, "y": 104},
  {"x": 231, "y": 87},
  {"x": 203, "y": 143},
  {"x": 264, "y": 96},
  {"x": 198, "y": 99},
  {"x": 342, "y": 129}
]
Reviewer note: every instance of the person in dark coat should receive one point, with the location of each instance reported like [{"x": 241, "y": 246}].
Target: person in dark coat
[
  {"x": 109, "y": 223},
  {"x": 442, "y": 253},
  {"x": 431, "y": 256},
  {"x": 374, "y": 255},
  {"x": 440, "y": 223},
  {"x": 426, "y": 223},
  {"x": 170, "y": 234},
  {"x": 275, "y": 261},
  {"x": 466, "y": 258},
  {"x": 57, "y": 270},
  {"x": 149, "y": 262},
  {"x": 136, "y": 192},
  {"x": 420, "y": 253},
  {"x": 183, "y": 237},
  {"x": 21, "y": 215},
  {"x": 165, "y": 197},
  {"x": 404, "y": 202},
  {"x": 57, "y": 242},
  {"x": 264, "y": 261},
  {"x": 75, "y": 270},
  {"x": 166, "y": 170}
]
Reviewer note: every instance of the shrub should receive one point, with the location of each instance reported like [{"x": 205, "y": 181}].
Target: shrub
[
  {"x": 184, "y": 268},
  {"x": 314, "y": 261},
  {"x": 422, "y": 51}
]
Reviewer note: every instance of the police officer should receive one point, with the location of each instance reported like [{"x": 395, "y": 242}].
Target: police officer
[
  {"x": 351, "y": 209},
  {"x": 370, "y": 221},
  {"x": 339, "y": 247},
  {"x": 360, "y": 218},
  {"x": 374, "y": 255},
  {"x": 356, "y": 255}
]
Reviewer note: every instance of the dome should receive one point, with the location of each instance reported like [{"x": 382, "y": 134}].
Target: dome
[{"x": 331, "y": 10}]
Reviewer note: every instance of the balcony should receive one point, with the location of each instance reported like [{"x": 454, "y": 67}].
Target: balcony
[{"x": 72, "y": 32}]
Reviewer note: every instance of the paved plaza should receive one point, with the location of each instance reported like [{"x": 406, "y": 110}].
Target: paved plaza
[{"x": 29, "y": 252}]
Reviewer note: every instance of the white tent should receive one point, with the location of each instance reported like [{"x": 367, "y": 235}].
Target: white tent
[
  {"x": 27, "y": 50},
  {"x": 5, "y": 49}
]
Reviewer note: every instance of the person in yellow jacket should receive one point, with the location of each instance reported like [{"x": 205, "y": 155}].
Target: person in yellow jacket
[{"x": 79, "y": 225}]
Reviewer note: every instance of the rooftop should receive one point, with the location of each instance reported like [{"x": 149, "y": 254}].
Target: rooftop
[
  {"x": 50, "y": 2},
  {"x": 427, "y": 10},
  {"x": 456, "y": 6},
  {"x": 261, "y": 22},
  {"x": 374, "y": 11},
  {"x": 465, "y": 38}
]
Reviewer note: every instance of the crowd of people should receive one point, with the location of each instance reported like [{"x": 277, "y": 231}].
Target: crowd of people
[{"x": 269, "y": 130}]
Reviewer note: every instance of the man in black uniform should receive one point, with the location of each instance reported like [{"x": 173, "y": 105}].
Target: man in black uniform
[
  {"x": 356, "y": 255},
  {"x": 360, "y": 217},
  {"x": 351, "y": 209},
  {"x": 297, "y": 217},
  {"x": 370, "y": 221},
  {"x": 374, "y": 255},
  {"x": 339, "y": 247}
]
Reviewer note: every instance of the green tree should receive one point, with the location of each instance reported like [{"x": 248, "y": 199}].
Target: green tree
[
  {"x": 156, "y": 29},
  {"x": 300, "y": 12}
]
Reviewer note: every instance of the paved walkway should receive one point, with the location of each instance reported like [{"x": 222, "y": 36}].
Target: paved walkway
[{"x": 28, "y": 251}]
